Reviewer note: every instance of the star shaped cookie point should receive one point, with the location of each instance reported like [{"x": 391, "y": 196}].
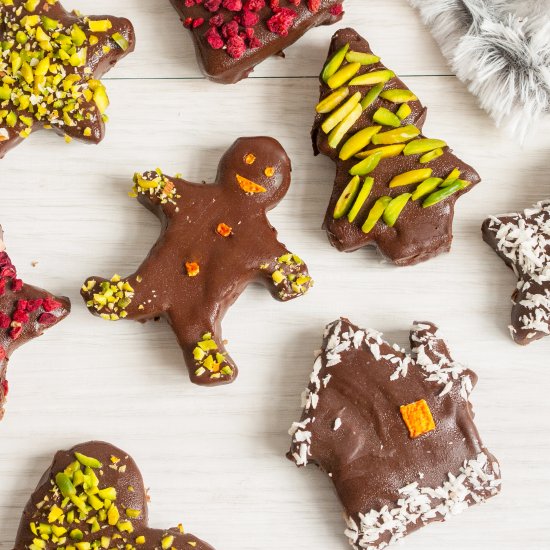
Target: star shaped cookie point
[
  {"x": 522, "y": 240},
  {"x": 25, "y": 313},
  {"x": 51, "y": 63}
]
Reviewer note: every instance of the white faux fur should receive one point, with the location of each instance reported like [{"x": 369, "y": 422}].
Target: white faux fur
[{"x": 501, "y": 50}]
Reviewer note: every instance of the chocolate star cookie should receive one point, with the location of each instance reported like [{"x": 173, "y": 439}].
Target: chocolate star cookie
[
  {"x": 25, "y": 313},
  {"x": 93, "y": 498},
  {"x": 232, "y": 36},
  {"x": 395, "y": 189},
  {"x": 523, "y": 242},
  {"x": 216, "y": 239},
  {"x": 50, "y": 64},
  {"x": 394, "y": 431}
]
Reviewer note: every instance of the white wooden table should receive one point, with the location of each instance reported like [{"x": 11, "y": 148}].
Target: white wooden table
[{"x": 214, "y": 458}]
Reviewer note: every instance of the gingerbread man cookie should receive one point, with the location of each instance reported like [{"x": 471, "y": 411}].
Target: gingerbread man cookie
[
  {"x": 216, "y": 239},
  {"x": 50, "y": 63},
  {"x": 395, "y": 189},
  {"x": 232, "y": 36},
  {"x": 25, "y": 313},
  {"x": 93, "y": 498},
  {"x": 394, "y": 431},
  {"x": 523, "y": 241}
]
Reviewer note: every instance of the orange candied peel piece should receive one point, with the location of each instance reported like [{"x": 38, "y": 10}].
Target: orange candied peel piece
[
  {"x": 224, "y": 230},
  {"x": 250, "y": 158},
  {"x": 193, "y": 268},
  {"x": 418, "y": 418},
  {"x": 269, "y": 171},
  {"x": 249, "y": 186}
]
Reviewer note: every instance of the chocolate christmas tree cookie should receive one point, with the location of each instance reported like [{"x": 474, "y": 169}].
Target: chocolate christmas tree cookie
[
  {"x": 394, "y": 431},
  {"x": 523, "y": 241},
  {"x": 215, "y": 240},
  {"x": 25, "y": 313},
  {"x": 232, "y": 36},
  {"x": 93, "y": 498},
  {"x": 395, "y": 189},
  {"x": 50, "y": 64}
]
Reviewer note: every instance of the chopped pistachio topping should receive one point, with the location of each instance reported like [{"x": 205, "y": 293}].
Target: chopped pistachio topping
[
  {"x": 155, "y": 183},
  {"x": 110, "y": 298},
  {"x": 289, "y": 275},
  {"x": 43, "y": 73},
  {"x": 209, "y": 360}
]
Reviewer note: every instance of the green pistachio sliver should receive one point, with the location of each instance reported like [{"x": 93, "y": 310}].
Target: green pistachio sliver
[
  {"x": 358, "y": 141},
  {"x": 332, "y": 101},
  {"x": 65, "y": 484},
  {"x": 366, "y": 166},
  {"x": 338, "y": 134},
  {"x": 374, "y": 77},
  {"x": 404, "y": 111},
  {"x": 334, "y": 63},
  {"x": 424, "y": 145},
  {"x": 451, "y": 178},
  {"x": 411, "y": 177},
  {"x": 394, "y": 209},
  {"x": 88, "y": 461},
  {"x": 399, "y": 135},
  {"x": 362, "y": 57},
  {"x": 361, "y": 199},
  {"x": 386, "y": 118},
  {"x": 347, "y": 198},
  {"x": 376, "y": 212},
  {"x": 398, "y": 96},
  {"x": 121, "y": 41},
  {"x": 341, "y": 113},
  {"x": 426, "y": 187},
  {"x": 442, "y": 194},
  {"x": 346, "y": 73},
  {"x": 372, "y": 96},
  {"x": 388, "y": 151},
  {"x": 432, "y": 155}
]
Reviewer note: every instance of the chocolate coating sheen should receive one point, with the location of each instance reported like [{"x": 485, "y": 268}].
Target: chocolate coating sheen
[
  {"x": 420, "y": 233},
  {"x": 352, "y": 429},
  {"x": 122, "y": 475},
  {"x": 219, "y": 66}
]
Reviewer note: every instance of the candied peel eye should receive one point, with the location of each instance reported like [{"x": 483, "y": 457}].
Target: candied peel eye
[
  {"x": 269, "y": 171},
  {"x": 250, "y": 159}
]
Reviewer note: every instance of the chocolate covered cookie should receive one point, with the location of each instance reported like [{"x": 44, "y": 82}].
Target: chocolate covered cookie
[
  {"x": 50, "y": 63},
  {"x": 394, "y": 431},
  {"x": 93, "y": 498},
  {"x": 216, "y": 239},
  {"x": 232, "y": 36},
  {"x": 25, "y": 313},
  {"x": 522, "y": 240},
  {"x": 395, "y": 189}
]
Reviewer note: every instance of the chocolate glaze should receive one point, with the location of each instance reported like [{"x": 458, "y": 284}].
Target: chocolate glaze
[
  {"x": 219, "y": 66},
  {"x": 37, "y": 321},
  {"x": 522, "y": 240},
  {"x": 122, "y": 475},
  {"x": 196, "y": 305},
  {"x": 420, "y": 233},
  {"x": 97, "y": 60},
  {"x": 352, "y": 428}
]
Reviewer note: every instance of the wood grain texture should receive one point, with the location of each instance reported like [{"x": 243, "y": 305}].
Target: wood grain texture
[{"x": 66, "y": 206}]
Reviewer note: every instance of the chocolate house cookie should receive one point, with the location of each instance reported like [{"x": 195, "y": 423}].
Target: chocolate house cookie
[
  {"x": 395, "y": 189},
  {"x": 216, "y": 239},
  {"x": 50, "y": 62},
  {"x": 394, "y": 431},
  {"x": 93, "y": 498},
  {"x": 523, "y": 242},
  {"x": 232, "y": 36},
  {"x": 25, "y": 313}
]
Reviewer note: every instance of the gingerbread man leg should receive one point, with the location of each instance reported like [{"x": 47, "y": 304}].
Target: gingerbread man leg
[{"x": 199, "y": 336}]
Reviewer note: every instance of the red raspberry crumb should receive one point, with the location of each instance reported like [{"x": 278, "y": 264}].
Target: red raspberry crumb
[
  {"x": 17, "y": 285},
  {"x": 233, "y": 5},
  {"x": 20, "y": 316},
  {"x": 313, "y": 5},
  {"x": 5, "y": 388},
  {"x": 213, "y": 38},
  {"x": 281, "y": 22},
  {"x": 33, "y": 305},
  {"x": 189, "y": 3},
  {"x": 2, "y": 353},
  {"x": 337, "y": 10},
  {"x": 295, "y": 2},
  {"x": 254, "y": 5},
  {"x": 216, "y": 20},
  {"x": 50, "y": 304},
  {"x": 198, "y": 22},
  {"x": 22, "y": 305},
  {"x": 254, "y": 42},
  {"x": 212, "y": 5},
  {"x": 236, "y": 47},
  {"x": 15, "y": 332},
  {"x": 230, "y": 29},
  {"x": 274, "y": 5},
  {"x": 47, "y": 319},
  {"x": 188, "y": 22},
  {"x": 249, "y": 19},
  {"x": 2, "y": 286},
  {"x": 4, "y": 321}
]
